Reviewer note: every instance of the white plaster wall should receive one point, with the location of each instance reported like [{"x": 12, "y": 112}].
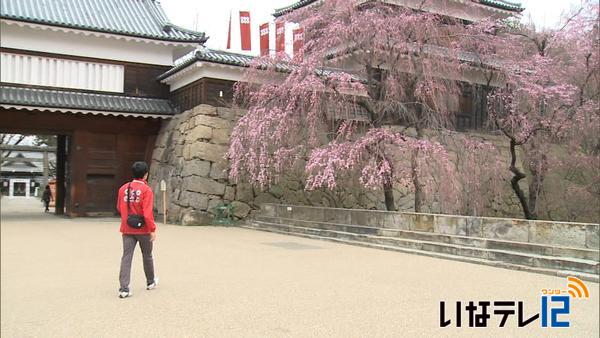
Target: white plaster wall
[
  {"x": 54, "y": 72},
  {"x": 200, "y": 70},
  {"x": 75, "y": 43}
]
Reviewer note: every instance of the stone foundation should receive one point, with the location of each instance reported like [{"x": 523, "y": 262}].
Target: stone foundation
[
  {"x": 563, "y": 234},
  {"x": 189, "y": 156}
]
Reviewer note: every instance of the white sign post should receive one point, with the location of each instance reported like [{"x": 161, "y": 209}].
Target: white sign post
[{"x": 163, "y": 188}]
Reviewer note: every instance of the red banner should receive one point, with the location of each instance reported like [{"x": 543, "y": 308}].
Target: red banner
[
  {"x": 298, "y": 40},
  {"x": 245, "y": 30},
  {"x": 264, "y": 39},
  {"x": 280, "y": 37}
]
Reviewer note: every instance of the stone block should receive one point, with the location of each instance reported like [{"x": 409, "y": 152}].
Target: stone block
[
  {"x": 470, "y": 252},
  {"x": 340, "y": 216},
  {"x": 509, "y": 257},
  {"x": 204, "y": 185},
  {"x": 194, "y": 200},
  {"x": 557, "y": 233},
  {"x": 174, "y": 195},
  {"x": 187, "y": 152},
  {"x": 212, "y": 121},
  {"x": 265, "y": 197},
  {"x": 207, "y": 151},
  {"x": 200, "y": 133},
  {"x": 229, "y": 193},
  {"x": 591, "y": 236},
  {"x": 226, "y": 113},
  {"x": 158, "y": 154},
  {"x": 450, "y": 225},
  {"x": 308, "y": 213},
  {"x": 423, "y": 222},
  {"x": 593, "y": 255},
  {"x": 276, "y": 191},
  {"x": 474, "y": 227},
  {"x": 316, "y": 197},
  {"x": 506, "y": 229},
  {"x": 396, "y": 220},
  {"x": 196, "y": 167},
  {"x": 284, "y": 211},
  {"x": 176, "y": 151},
  {"x": 205, "y": 109},
  {"x": 221, "y": 136},
  {"x": 293, "y": 197},
  {"x": 367, "y": 218},
  {"x": 162, "y": 137},
  {"x": 217, "y": 171},
  {"x": 387, "y": 233},
  {"x": 518, "y": 247},
  {"x": 291, "y": 185},
  {"x": 180, "y": 198},
  {"x": 193, "y": 217},
  {"x": 244, "y": 192},
  {"x": 212, "y": 203},
  {"x": 174, "y": 213},
  {"x": 350, "y": 201},
  {"x": 268, "y": 210},
  {"x": 240, "y": 209}
]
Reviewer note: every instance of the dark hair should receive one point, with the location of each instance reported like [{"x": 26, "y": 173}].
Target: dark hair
[{"x": 139, "y": 169}]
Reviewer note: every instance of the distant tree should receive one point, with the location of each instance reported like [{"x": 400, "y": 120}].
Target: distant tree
[
  {"x": 45, "y": 140},
  {"x": 545, "y": 100},
  {"x": 10, "y": 139}
]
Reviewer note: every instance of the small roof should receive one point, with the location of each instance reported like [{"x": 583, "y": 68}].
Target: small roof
[
  {"x": 284, "y": 10},
  {"x": 236, "y": 60},
  {"x": 209, "y": 55},
  {"x": 513, "y": 6},
  {"x": 92, "y": 102},
  {"x": 139, "y": 18},
  {"x": 21, "y": 161}
]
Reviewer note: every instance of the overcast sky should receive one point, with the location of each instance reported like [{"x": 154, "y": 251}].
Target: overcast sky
[{"x": 212, "y": 17}]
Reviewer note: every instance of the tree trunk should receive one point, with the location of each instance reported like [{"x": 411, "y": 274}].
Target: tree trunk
[
  {"x": 414, "y": 166},
  {"x": 538, "y": 168},
  {"x": 517, "y": 176},
  {"x": 388, "y": 194}
]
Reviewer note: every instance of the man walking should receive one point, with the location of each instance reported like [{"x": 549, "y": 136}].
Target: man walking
[
  {"x": 47, "y": 197},
  {"x": 134, "y": 203}
]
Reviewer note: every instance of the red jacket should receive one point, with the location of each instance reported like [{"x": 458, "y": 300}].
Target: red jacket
[{"x": 141, "y": 203}]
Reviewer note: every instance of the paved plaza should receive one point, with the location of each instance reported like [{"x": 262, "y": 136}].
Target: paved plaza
[{"x": 59, "y": 279}]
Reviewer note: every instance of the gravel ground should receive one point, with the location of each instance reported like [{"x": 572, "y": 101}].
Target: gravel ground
[{"x": 59, "y": 278}]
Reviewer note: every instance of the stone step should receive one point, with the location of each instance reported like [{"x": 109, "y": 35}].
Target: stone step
[
  {"x": 516, "y": 260},
  {"x": 478, "y": 242}
]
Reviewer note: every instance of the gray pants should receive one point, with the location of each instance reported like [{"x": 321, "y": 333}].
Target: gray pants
[{"x": 129, "y": 242}]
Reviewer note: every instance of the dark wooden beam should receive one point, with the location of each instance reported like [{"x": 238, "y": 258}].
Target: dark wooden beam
[
  {"x": 61, "y": 161},
  {"x": 22, "y": 159},
  {"x": 27, "y": 148}
]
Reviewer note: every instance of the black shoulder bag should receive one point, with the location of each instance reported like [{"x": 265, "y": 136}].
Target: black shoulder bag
[{"x": 134, "y": 221}]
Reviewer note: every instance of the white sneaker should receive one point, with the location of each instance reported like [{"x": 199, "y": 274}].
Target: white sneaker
[
  {"x": 152, "y": 285},
  {"x": 124, "y": 293}
]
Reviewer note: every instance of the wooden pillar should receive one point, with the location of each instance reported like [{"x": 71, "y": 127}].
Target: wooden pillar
[
  {"x": 45, "y": 169},
  {"x": 61, "y": 161}
]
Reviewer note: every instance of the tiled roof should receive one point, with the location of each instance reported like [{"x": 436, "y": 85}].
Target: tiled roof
[
  {"x": 209, "y": 55},
  {"x": 21, "y": 96},
  {"x": 139, "y": 18},
  {"x": 502, "y": 4},
  {"x": 284, "y": 10},
  {"x": 232, "y": 59}
]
